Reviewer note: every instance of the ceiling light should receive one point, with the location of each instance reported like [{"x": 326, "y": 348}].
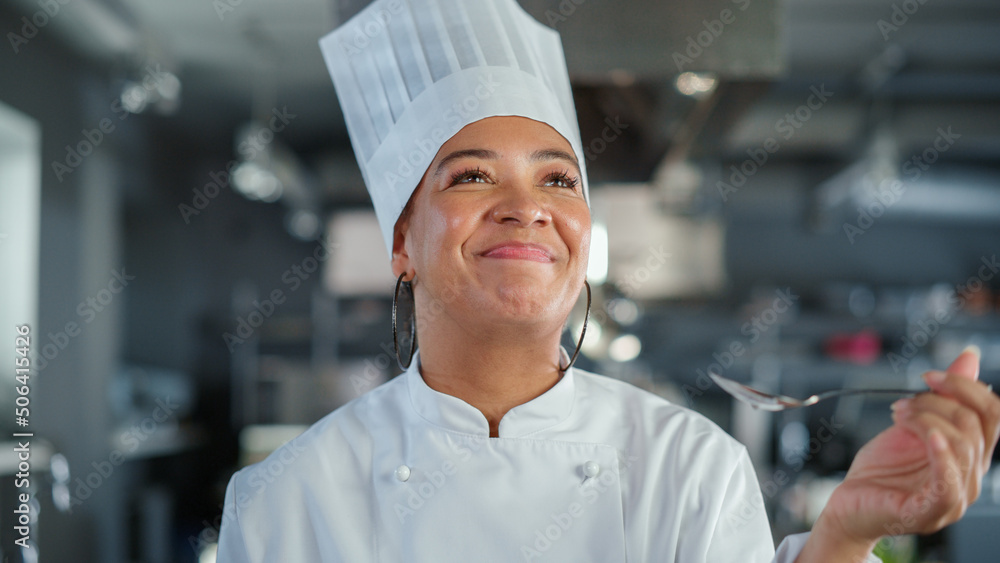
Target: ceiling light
[
  {"x": 304, "y": 225},
  {"x": 135, "y": 98},
  {"x": 623, "y": 310},
  {"x": 696, "y": 84},
  {"x": 625, "y": 348},
  {"x": 256, "y": 182}
]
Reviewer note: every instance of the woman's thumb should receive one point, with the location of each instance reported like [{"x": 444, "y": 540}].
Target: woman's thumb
[{"x": 967, "y": 363}]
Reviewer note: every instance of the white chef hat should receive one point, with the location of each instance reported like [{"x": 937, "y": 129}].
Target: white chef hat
[{"x": 410, "y": 74}]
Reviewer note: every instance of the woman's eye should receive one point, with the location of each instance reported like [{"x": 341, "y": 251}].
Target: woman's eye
[
  {"x": 562, "y": 180},
  {"x": 470, "y": 176}
]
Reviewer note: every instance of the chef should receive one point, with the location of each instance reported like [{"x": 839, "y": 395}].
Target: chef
[{"x": 491, "y": 446}]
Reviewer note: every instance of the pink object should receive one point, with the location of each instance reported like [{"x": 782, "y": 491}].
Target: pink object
[{"x": 861, "y": 348}]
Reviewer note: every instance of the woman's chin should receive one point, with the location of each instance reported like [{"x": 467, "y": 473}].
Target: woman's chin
[{"x": 519, "y": 301}]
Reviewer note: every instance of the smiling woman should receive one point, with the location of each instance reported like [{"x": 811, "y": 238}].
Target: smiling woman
[
  {"x": 500, "y": 222},
  {"x": 491, "y": 446}
]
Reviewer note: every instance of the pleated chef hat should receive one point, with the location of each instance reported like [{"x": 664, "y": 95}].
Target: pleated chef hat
[{"x": 410, "y": 74}]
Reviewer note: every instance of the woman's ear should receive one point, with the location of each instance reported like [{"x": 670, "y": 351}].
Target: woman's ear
[
  {"x": 400, "y": 255},
  {"x": 400, "y": 258},
  {"x": 401, "y": 235}
]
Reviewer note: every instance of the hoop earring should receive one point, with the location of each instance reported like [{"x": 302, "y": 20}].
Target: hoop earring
[
  {"x": 408, "y": 285},
  {"x": 582, "y": 333}
]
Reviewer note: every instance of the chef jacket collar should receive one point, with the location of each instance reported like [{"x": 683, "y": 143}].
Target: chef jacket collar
[{"x": 452, "y": 413}]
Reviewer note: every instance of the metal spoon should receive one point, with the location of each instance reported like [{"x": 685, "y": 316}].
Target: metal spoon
[{"x": 774, "y": 403}]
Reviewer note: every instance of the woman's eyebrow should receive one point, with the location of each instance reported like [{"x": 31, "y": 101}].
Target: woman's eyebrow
[
  {"x": 555, "y": 154},
  {"x": 486, "y": 154}
]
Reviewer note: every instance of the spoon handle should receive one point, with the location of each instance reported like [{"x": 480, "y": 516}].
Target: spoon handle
[{"x": 843, "y": 392}]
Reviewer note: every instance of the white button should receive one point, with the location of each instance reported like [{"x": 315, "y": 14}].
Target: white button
[
  {"x": 402, "y": 473},
  {"x": 591, "y": 469}
]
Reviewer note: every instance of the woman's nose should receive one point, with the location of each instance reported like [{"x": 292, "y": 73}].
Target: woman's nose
[{"x": 521, "y": 204}]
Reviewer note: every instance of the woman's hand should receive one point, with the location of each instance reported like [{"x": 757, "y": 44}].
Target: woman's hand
[{"x": 920, "y": 474}]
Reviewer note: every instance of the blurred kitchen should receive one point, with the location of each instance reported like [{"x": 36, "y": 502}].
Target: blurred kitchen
[{"x": 798, "y": 194}]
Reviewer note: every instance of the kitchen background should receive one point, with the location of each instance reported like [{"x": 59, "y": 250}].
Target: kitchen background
[{"x": 801, "y": 194}]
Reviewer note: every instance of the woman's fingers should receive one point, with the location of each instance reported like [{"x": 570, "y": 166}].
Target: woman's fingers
[
  {"x": 954, "y": 485},
  {"x": 961, "y": 425},
  {"x": 929, "y": 415},
  {"x": 966, "y": 397},
  {"x": 967, "y": 363},
  {"x": 955, "y": 478}
]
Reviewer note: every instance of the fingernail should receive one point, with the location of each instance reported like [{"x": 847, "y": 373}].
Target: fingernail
[
  {"x": 938, "y": 441},
  {"x": 934, "y": 377},
  {"x": 975, "y": 350},
  {"x": 901, "y": 404}
]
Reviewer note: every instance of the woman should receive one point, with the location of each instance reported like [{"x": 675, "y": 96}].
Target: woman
[{"x": 491, "y": 446}]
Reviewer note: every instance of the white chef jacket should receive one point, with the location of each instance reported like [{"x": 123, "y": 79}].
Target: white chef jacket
[{"x": 594, "y": 469}]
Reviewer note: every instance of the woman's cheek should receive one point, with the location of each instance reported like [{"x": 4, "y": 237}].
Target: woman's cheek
[
  {"x": 578, "y": 230},
  {"x": 436, "y": 227}
]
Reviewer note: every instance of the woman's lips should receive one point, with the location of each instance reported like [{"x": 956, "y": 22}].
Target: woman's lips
[{"x": 520, "y": 252}]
